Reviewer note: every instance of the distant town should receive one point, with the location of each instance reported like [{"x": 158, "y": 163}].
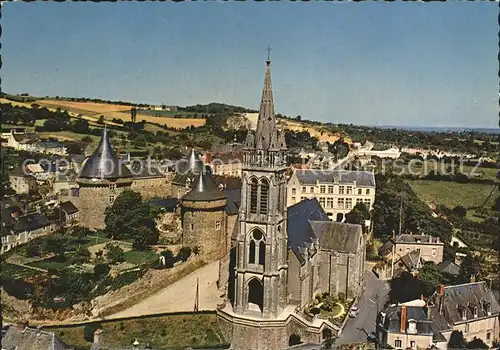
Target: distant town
[{"x": 135, "y": 226}]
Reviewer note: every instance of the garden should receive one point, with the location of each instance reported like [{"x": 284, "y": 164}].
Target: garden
[{"x": 333, "y": 308}]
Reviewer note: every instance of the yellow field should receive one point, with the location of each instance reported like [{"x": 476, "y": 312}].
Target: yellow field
[
  {"x": 110, "y": 111},
  {"x": 322, "y": 136}
]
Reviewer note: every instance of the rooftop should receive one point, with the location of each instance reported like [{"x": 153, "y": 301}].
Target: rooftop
[
  {"x": 204, "y": 189},
  {"x": 361, "y": 178}
]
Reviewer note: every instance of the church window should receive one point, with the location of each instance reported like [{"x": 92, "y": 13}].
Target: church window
[
  {"x": 251, "y": 256},
  {"x": 264, "y": 196},
  {"x": 217, "y": 225},
  {"x": 253, "y": 195},
  {"x": 341, "y": 189}
]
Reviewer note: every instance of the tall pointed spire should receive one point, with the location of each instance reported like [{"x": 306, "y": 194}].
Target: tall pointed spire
[{"x": 266, "y": 135}]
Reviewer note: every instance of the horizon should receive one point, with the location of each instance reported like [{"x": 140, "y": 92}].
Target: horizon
[{"x": 407, "y": 65}]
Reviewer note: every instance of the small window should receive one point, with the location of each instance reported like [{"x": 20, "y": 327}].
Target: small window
[
  {"x": 413, "y": 344},
  {"x": 348, "y": 203},
  {"x": 111, "y": 199},
  {"x": 330, "y": 189},
  {"x": 311, "y": 189},
  {"x": 217, "y": 225},
  {"x": 191, "y": 226},
  {"x": 294, "y": 191},
  {"x": 360, "y": 191},
  {"x": 398, "y": 344},
  {"x": 367, "y": 191},
  {"x": 329, "y": 203},
  {"x": 112, "y": 186},
  {"x": 433, "y": 252},
  {"x": 475, "y": 311},
  {"x": 322, "y": 189},
  {"x": 466, "y": 328},
  {"x": 349, "y": 190},
  {"x": 304, "y": 189},
  {"x": 488, "y": 336},
  {"x": 294, "y": 200},
  {"x": 341, "y": 189}
]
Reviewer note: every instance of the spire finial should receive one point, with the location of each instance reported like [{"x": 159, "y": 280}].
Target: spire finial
[{"x": 268, "y": 55}]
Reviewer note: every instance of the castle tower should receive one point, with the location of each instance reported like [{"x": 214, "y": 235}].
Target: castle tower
[
  {"x": 102, "y": 178},
  {"x": 261, "y": 254},
  {"x": 203, "y": 217}
]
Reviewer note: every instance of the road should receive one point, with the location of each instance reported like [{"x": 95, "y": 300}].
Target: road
[
  {"x": 180, "y": 296},
  {"x": 357, "y": 329}
]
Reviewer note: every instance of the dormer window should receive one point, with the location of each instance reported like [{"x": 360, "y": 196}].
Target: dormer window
[
  {"x": 487, "y": 307},
  {"x": 412, "y": 327},
  {"x": 463, "y": 313},
  {"x": 475, "y": 311}
]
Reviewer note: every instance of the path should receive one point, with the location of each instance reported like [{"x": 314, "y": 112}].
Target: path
[{"x": 180, "y": 296}]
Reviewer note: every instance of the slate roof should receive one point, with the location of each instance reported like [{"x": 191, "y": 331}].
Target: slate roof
[
  {"x": 204, "y": 189},
  {"x": 392, "y": 322},
  {"x": 449, "y": 267},
  {"x": 141, "y": 170},
  {"x": 418, "y": 239},
  {"x": 341, "y": 237},
  {"x": 467, "y": 296},
  {"x": 233, "y": 200},
  {"x": 386, "y": 248},
  {"x": 31, "y": 339},
  {"x": 68, "y": 207},
  {"x": 187, "y": 169},
  {"x": 362, "y": 178},
  {"x": 30, "y": 222},
  {"x": 299, "y": 216},
  {"x": 104, "y": 163},
  {"x": 411, "y": 260}
]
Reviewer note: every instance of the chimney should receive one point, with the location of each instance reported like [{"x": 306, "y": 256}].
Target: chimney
[
  {"x": 403, "y": 318},
  {"x": 441, "y": 298}
]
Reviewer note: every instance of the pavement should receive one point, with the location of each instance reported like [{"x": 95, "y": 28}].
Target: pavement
[{"x": 357, "y": 329}]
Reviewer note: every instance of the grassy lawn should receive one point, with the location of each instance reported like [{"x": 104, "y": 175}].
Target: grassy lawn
[
  {"x": 50, "y": 264},
  {"x": 94, "y": 240},
  {"x": 137, "y": 257},
  {"x": 68, "y": 136},
  {"x": 451, "y": 194},
  {"x": 176, "y": 331}
]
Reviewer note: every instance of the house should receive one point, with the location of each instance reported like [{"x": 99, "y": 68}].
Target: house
[
  {"x": 21, "y": 181},
  {"x": 23, "y": 229},
  {"x": 430, "y": 247},
  {"x": 470, "y": 308},
  {"x": 408, "y": 327},
  {"x": 449, "y": 268},
  {"x": 225, "y": 164},
  {"x": 411, "y": 263},
  {"x": 69, "y": 211},
  {"x": 19, "y": 139},
  {"x": 22, "y": 337},
  {"x": 338, "y": 191}
]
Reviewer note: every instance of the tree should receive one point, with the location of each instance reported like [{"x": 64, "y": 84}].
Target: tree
[
  {"x": 169, "y": 258},
  {"x": 477, "y": 343},
  {"x": 80, "y": 233},
  {"x": 114, "y": 253},
  {"x": 430, "y": 276},
  {"x": 129, "y": 217},
  {"x": 457, "y": 340},
  {"x": 471, "y": 266},
  {"x": 100, "y": 120},
  {"x": 101, "y": 270},
  {"x": 460, "y": 211},
  {"x": 81, "y": 255},
  {"x": 183, "y": 254},
  {"x": 358, "y": 214},
  {"x": 405, "y": 287}
]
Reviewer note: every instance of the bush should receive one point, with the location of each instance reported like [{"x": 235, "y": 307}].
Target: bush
[
  {"x": 114, "y": 253},
  {"x": 88, "y": 331},
  {"x": 101, "y": 270},
  {"x": 183, "y": 254}
]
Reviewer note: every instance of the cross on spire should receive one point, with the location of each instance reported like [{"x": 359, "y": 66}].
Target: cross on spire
[{"x": 268, "y": 55}]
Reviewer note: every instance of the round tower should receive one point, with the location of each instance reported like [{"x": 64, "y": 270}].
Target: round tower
[
  {"x": 102, "y": 178},
  {"x": 203, "y": 213}
]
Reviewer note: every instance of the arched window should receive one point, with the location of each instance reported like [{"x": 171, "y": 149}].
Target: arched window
[
  {"x": 253, "y": 195},
  {"x": 257, "y": 248},
  {"x": 264, "y": 196},
  {"x": 251, "y": 256}
]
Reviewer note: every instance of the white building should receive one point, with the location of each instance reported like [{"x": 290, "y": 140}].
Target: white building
[{"x": 338, "y": 191}]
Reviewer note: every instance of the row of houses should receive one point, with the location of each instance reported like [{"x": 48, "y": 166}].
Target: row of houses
[
  {"x": 19, "y": 225},
  {"x": 21, "y": 140}
]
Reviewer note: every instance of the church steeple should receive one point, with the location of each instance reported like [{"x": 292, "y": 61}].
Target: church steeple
[{"x": 267, "y": 136}]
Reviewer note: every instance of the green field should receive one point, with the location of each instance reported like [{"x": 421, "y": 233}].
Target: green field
[
  {"x": 137, "y": 257},
  {"x": 161, "y": 332},
  {"x": 451, "y": 194},
  {"x": 423, "y": 168}
]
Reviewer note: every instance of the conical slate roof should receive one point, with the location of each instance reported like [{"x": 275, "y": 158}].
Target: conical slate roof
[
  {"x": 104, "y": 162},
  {"x": 204, "y": 189}
]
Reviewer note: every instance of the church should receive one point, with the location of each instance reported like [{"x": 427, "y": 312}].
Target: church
[{"x": 279, "y": 258}]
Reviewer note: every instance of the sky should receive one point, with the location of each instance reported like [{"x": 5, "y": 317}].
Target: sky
[{"x": 369, "y": 63}]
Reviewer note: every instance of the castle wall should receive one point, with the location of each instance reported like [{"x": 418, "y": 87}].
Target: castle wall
[{"x": 153, "y": 187}]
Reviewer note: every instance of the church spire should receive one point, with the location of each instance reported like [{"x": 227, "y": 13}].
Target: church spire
[{"x": 266, "y": 135}]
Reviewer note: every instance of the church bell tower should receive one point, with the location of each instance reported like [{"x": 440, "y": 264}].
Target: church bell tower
[{"x": 261, "y": 248}]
